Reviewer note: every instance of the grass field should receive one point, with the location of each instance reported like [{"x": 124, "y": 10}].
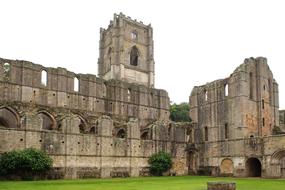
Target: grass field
[{"x": 146, "y": 183}]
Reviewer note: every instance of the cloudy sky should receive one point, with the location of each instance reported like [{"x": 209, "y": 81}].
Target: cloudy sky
[{"x": 195, "y": 41}]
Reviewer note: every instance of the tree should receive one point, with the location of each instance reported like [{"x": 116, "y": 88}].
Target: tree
[
  {"x": 180, "y": 112},
  {"x": 159, "y": 163}
]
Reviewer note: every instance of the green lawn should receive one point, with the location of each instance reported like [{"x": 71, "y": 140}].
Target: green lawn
[{"x": 146, "y": 183}]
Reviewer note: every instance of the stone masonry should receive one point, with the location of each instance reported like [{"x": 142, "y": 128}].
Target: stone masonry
[
  {"x": 91, "y": 126},
  {"x": 236, "y": 124},
  {"x": 108, "y": 126}
]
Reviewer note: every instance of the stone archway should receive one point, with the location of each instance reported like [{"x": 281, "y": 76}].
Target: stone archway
[
  {"x": 253, "y": 167},
  {"x": 227, "y": 167},
  {"x": 278, "y": 160}
]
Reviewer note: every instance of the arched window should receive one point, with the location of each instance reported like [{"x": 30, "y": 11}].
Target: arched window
[
  {"x": 44, "y": 78},
  {"x": 76, "y": 84},
  {"x": 226, "y": 131},
  {"x": 206, "y": 134},
  {"x": 6, "y": 67},
  {"x": 206, "y": 95},
  {"x": 82, "y": 126},
  {"x": 134, "y": 35},
  {"x": 121, "y": 133},
  {"x": 129, "y": 94},
  {"x": 134, "y": 56},
  {"x": 8, "y": 118},
  {"x": 48, "y": 121},
  {"x": 144, "y": 135},
  {"x": 226, "y": 90}
]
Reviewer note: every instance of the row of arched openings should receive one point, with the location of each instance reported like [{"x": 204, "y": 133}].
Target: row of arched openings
[
  {"x": 10, "y": 119},
  {"x": 253, "y": 167}
]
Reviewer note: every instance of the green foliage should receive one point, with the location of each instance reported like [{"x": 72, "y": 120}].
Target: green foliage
[
  {"x": 24, "y": 162},
  {"x": 180, "y": 112},
  {"x": 159, "y": 163}
]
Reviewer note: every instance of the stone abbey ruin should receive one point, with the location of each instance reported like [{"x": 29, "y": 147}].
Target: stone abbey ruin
[{"x": 109, "y": 125}]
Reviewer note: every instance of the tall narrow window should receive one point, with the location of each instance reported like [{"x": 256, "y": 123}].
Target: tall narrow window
[
  {"x": 44, "y": 78},
  {"x": 226, "y": 131},
  {"x": 134, "y": 56},
  {"x": 109, "y": 58},
  {"x": 76, "y": 84},
  {"x": 250, "y": 85},
  {"x": 263, "y": 121},
  {"x": 226, "y": 90},
  {"x": 206, "y": 133},
  {"x": 206, "y": 95},
  {"x": 129, "y": 95},
  {"x": 269, "y": 91},
  {"x": 262, "y": 103}
]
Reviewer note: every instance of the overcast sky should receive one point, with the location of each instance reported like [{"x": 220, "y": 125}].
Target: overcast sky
[{"x": 195, "y": 41}]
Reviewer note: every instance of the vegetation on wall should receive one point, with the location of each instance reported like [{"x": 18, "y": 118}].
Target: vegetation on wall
[
  {"x": 160, "y": 163},
  {"x": 180, "y": 112},
  {"x": 24, "y": 163}
]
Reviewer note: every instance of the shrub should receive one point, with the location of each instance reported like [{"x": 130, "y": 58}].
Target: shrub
[
  {"x": 159, "y": 163},
  {"x": 24, "y": 162}
]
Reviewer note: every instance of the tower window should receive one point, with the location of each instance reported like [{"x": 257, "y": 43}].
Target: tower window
[
  {"x": 109, "y": 56},
  {"x": 206, "y": 133},
  {"x": 129, "y": 95},
  {"x": 250, "y": 85},
  {"x": 134, "y": 35},
  {"x": 134, "y": 56},
  {"x": 263, "y": 121},
  {"x": 262, "y": 103},
  {"x": 226, "y": 131},
  {"x": 269, "y": 90},
  {"x": 44, "y": 78}
]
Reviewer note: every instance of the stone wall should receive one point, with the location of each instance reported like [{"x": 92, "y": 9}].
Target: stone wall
[
  {"x": 234, "y": 122},
  {"x": 101, "y": 130}
]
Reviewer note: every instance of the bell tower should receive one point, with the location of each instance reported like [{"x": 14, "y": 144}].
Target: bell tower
[{"x": 126, "y": 51}]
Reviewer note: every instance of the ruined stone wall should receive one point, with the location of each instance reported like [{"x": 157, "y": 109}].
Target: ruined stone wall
[
  {"x": 233, "y": 117},
  {"x": 23, "y": 83},
  {"x": 105, "y": 129}
]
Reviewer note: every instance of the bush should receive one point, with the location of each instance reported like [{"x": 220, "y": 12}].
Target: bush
[
  {"x": 159, "y": 163},
  {"x": 24, "y": 162}
]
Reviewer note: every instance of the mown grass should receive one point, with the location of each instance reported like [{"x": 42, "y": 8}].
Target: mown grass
[{"x": 146, "y": 183}]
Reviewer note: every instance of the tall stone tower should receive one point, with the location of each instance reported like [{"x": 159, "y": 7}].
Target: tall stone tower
[{"x": 126, "y": 51}]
